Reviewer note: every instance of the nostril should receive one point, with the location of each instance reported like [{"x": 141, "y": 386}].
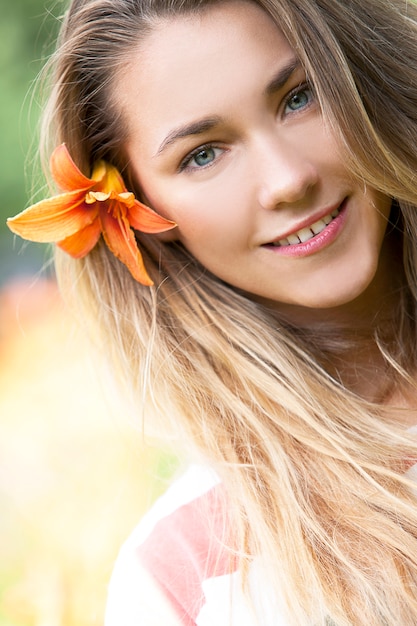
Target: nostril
[{"x": 287, "y": 187}]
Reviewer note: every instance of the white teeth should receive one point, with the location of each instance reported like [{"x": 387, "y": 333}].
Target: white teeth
[
  {"x": 303, "y": 235},
  {"x": 293, "y": 239},
  {"x": 317, "y": 227}
]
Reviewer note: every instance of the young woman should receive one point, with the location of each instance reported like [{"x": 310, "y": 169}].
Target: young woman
[{"x": 258, "y": 293}]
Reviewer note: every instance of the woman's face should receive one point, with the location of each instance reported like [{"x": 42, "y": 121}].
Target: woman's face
[{"x": 227, "y": 139}]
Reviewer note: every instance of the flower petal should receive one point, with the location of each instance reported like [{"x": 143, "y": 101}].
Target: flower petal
[
  {"x": 83, "y": 241},
  {"x": 65, "y": 173},
  {"x": 99, "y": 173},
  {"x": 142, "y": 218},
  {"x": 54, "y": 219},
  {"x": 121, "y": 241},
  {"x": 110, "y": 180}
]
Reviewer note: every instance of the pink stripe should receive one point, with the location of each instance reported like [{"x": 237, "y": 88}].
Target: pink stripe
[{"x": 187, "y": 547}]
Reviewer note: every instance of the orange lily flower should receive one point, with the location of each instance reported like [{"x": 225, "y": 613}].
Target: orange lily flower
[{"x": 88, "y": 208}]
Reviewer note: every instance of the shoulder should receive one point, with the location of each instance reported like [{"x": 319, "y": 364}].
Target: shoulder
[
  {"x": 135, "y": 599},
  {"x": 179, "y": 566},
  {"x": 179, "y": 544}
]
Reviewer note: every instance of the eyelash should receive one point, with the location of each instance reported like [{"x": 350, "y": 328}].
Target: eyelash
[
  {"x": 305, "y": 87},
  {"x": 185, "y": 163}
]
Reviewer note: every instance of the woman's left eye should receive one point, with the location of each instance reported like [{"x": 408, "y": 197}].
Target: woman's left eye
[
  {"x": 200, "y": 158},
  {"x": 299, "y": 99}
]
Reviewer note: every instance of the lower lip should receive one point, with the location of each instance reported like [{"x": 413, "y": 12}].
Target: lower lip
[{"x": 316, "y": 243}]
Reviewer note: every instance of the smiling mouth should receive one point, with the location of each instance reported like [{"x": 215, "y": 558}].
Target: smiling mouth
[{"x": 304, "y": 234}]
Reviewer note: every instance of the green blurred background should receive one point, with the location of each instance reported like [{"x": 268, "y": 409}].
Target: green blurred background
[{"x": 27, "y": 32}]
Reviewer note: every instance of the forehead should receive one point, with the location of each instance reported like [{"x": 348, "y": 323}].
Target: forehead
[{"x": 191, "y": 65}]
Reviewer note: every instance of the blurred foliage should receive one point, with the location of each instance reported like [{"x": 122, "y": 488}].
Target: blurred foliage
[{"x": 27, "y": 33}]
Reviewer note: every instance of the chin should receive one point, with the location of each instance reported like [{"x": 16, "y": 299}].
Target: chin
[{"x": 340, "y": 294}]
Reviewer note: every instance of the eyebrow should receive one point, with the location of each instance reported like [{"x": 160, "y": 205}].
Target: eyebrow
[
  {"x": 282, "y": 76},
  {"x": 194, "y": 128},
  {"x": 204, "y": 125}
]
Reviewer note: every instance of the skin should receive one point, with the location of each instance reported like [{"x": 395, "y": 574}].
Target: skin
[{"x": 269, "y": 165}]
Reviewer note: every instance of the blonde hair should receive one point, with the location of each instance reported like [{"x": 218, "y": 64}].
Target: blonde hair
[{"x": 314, "y": 473}]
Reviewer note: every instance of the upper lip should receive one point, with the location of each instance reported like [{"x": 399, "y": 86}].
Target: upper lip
[{"x": 306, "y": 222}]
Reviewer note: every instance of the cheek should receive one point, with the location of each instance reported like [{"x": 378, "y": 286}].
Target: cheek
[
  {"x": 216, "y": 237},
  {"x": 381, "y": 206},
  {"x": 206, "y": 217},
  {"x": 204, "y": 231}
]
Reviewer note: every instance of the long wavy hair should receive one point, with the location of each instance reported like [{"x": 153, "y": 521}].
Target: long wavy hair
[{"x": 314, "y": 473}]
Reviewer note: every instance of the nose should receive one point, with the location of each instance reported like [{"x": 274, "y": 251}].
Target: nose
[{"x": 287, "y": 172}]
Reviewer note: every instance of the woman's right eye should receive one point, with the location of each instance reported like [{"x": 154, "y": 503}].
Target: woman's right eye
[{"x": 200, "y": 158}]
